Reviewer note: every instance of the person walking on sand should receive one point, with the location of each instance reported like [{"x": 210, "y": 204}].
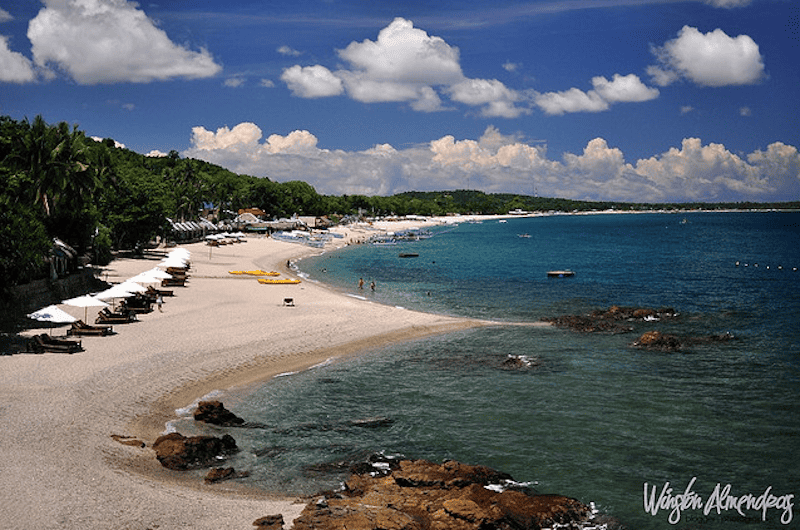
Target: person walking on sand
[
  {"x": 160, "y": 301},
  {"x": 361, "y": 283}
]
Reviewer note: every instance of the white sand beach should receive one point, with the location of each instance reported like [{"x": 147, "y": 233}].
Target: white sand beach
[{"x": 59, "y": 465}]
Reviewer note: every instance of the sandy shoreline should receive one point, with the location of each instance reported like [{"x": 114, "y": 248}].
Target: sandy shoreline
[{"x": 60, "y": 466}]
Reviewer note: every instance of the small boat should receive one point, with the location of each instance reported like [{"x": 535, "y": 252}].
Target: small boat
[
  {"x": 526, "y": 236},
  {"x": 408, "y": 255},
  {"x": 560, "y": 274}
]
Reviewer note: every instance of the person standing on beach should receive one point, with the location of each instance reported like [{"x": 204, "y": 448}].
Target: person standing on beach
[
  {"x": 372, "y": 286},
  {"x": 361, "y": 283},
  {"x": 160, "y": 301}
]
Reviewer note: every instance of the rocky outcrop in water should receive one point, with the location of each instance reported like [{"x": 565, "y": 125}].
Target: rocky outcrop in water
[
  {"x": 656, "y": 340},
  {"x": 613, "y": 320},
  {"x": 215, "y": 413},
  {"x": 179, "y": 452},
  {"x": 417, "y": 495}
]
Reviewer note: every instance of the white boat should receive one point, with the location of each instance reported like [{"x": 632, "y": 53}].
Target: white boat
[{"x": 560, "y": 274}]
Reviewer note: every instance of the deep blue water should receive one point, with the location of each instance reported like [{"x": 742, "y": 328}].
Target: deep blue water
[{"x": 595, "y": 419}]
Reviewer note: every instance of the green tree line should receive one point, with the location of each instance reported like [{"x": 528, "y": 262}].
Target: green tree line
[{"x": 55, "y": 182}]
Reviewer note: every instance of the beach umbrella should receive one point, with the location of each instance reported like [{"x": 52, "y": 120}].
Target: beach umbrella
[
  {"x": 182, "y": 252},
  {"x": 117, "y": 291},
  {"x": 143, "y": 277},
  {"x": 158, "y": 273},
  {"x": 132, "y": 287},
  {"x": 53, "y": 314},
  {"x": 85, "y": 302}
]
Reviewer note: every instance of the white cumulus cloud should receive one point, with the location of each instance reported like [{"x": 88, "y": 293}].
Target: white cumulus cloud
[
  {"x": 242, "y": 135},
  {"x": 111, "y": 41},
  {"x": 405, "y": 54},
  {"x": 312, "y": 81},
  {"x": 505, "y": 163},
  {"x": 496, "y": 99},
  {"x": 621, "y": 89},
  {"x": 286, "y": 50},
  {"x": 14, "y": 67},
  {"x": 405, "y": 65},
  {"x": 708, "y": 59}
]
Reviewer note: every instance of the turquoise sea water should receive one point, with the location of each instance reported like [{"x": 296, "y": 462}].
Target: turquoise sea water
[{"x": 593, "y": 418}]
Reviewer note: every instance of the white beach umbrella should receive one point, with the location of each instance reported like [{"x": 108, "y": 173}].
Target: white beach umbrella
[
  {"x": 52, "y": 313},
  {"x": 179, "y": 253},
  {"x": 176, "y": 262},
  {"x": 143, "y": 277},
  {"x": 132, "y": 287},
  {"x": 151, "y": 276},
  {"x": 158, "y": 273},
  {"x": 116, "y": 291},
  {"x": 85, "y": 301}
]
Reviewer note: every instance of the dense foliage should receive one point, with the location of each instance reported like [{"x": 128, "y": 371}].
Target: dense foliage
[{"x": 57, "y": 183}]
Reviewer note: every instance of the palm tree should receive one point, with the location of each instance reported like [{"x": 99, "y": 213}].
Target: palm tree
[{"x": 54, "y": 159}]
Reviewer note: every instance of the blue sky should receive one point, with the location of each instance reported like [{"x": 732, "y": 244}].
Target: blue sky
[{"x": 649, "y": 100}]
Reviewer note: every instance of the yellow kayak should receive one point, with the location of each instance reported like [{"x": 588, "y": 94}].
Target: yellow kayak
[{"x": 257, "y": 272}]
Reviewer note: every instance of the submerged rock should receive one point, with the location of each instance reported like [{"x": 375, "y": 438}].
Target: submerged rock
[
  {"x": 421, "y": 495},
  {"x": 176, "y": 451}
]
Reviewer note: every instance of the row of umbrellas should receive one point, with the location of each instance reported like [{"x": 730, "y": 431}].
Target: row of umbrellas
[{"x": 178, "y": 257}]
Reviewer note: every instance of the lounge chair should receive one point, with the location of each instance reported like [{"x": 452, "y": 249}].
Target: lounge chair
[
  {"x": 173, "y": 282},
  {"x": 138, "y": 304},
  {"x": 44, "y": 343},
  {"x": 108, "y": 317},
  {"x": 158, "y": 292},
  {"x": 82, "y": 328}
]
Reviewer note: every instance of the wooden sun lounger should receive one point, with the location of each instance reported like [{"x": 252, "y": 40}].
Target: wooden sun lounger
[
  {"x": 162, "y": 292},
  {"x": 82, "y": 328},
  {"x": 44, "y": 343},
  {"x": 173, "y": 282},
  {"x": 107, "y": 317},
  {"x": 138, "y": 304}
]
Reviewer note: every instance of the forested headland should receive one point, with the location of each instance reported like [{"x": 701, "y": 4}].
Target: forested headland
[{"x": 55, "y": 182}]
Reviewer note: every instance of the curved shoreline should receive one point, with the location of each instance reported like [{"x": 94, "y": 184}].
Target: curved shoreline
[{"x": 62, "y": 468}]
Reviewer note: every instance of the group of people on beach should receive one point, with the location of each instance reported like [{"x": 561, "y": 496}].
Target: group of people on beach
[{"x": 361, "y": 284}]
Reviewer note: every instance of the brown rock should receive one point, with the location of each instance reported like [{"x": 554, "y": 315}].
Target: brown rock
[
  {"x": 655, "y": 340},
  {"x": 215, "y": 413},
  {"x": 270, "y": 522},
  {"x": 218, "y": 474},
  {"x": 419, "y": 495},
  {"x": 176, "y": 451}
]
